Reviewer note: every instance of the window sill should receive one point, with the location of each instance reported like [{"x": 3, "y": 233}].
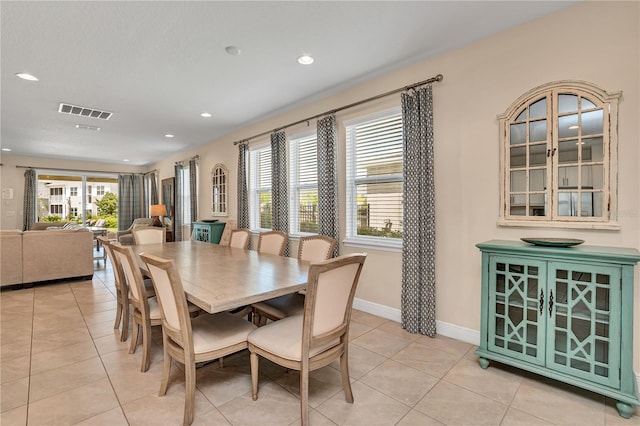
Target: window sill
[
  {"x": 374, "y": 244},
  {"x": 606, "y": 226}
]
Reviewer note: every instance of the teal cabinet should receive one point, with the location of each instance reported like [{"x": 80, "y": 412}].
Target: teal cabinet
[
  {"x": 565, "y": 313},
  {"x": 209, "y": 232}
]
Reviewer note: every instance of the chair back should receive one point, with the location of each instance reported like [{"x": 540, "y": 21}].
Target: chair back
[
  {"x": 131, "y": 275},
  {"x": 331, "y": 287},
  {"x": 316, "y": 248},
  {"x": 106, "y": 246},
  {"x": 240, "y": 238},
  {"x": 149, "y": 235},
  {"x": 272, "y": 242},
  {"x": 171, "y": 299}
]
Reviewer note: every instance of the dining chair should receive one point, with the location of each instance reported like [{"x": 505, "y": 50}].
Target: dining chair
[
  {"x": 186, "y": 341},
  {"x": 240, "y": 238},
  {"x": 272, "y": 242},
  {"x": 145, "y": 310},
  {"x": 122, "y": 300},
  {"x": 313, "y": 248},
  {"x": 320, "y": 335},
  {"x": 149, "y": 235}
]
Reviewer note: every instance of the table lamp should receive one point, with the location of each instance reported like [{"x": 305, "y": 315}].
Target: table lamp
[{"x": 158, "y": 210}]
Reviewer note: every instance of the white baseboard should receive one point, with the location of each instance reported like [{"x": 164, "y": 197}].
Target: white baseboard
[
  {"x": 446, "y": 329},
  {"x": 443, "y": 328}
]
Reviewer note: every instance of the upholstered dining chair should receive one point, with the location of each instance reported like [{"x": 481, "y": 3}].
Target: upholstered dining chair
[
  {"x": 313, "y": 248},
  {"x": 240, "y": 238},
  {"x": 320, "y": 335},
  {"x": 272, "y": 242},
  {"x": 122, "y": 300},
  {"x": 145, "y": 311},
  {"x": 186, "y": 341},
  {"x": 149, "y": 235}
]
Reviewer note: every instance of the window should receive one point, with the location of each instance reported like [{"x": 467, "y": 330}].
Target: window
[
  {"x": 374, "y": 178},
  {"x": 559, "y": 148},
  {"x": 71, "y": 192},
  {"x": 220, "y": 185},
  {"x": 303, "y": 170},
  {"x": 100, "y": 190},
  {"x": 260, "y": 216},
  {"x": 89, "y": 194}
]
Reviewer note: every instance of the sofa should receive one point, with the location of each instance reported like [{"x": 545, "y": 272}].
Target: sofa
[{"x": 43, "y": 255}]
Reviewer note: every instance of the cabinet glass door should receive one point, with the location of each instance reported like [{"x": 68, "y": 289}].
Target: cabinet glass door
[
  {"x": 584, "y": 321},
  {"x": 201, "y": 233},
  {"x": 516, "y": 320}
]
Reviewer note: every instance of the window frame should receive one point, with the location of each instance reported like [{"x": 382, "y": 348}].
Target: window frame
[
  {"x": 294, "y": 180},
  {"x": 608, "y": 102},
  {"x": 352, "y": 238}
]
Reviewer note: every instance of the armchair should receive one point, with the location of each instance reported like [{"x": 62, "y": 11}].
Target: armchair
[{"x": 126, "y": 236}]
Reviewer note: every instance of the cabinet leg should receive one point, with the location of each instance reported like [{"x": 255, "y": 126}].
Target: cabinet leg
[
  {"x": 625, "y": 410},
  {"x": 484, "y": 363}
]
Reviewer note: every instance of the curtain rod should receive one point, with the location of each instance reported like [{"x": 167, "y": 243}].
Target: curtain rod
[
  {"x": 437, "y": 78},
  {"x": 82, "y": 171},
  {"x": 182, "y": 162}
]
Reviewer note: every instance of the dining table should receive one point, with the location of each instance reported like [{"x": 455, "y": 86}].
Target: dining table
[{"x": 221, "y": 278}]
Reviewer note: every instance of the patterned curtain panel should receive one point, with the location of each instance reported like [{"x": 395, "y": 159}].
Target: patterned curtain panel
[
  {"x": 29, "y": 203},
  {"x": 179, "y": 211},
  {"x": 131, "y": 203},
  {"x": 419, "y": 226},
  {"x": 279, "y": 184},
  {"x": 152, "y": 178},
  {"x": 193, "y": 189},
  {"x": 243, "y": 189},
  {"x": 328, "y": 179}
]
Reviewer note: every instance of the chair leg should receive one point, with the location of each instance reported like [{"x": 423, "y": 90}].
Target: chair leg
[
  {"x": 166, "y": 369},
  {"x": 190, "y": 392},
  {"x": 118, "y": 311},
  {"x": 134, "y": 336},
  {"x": 304, "y": 395},
  {"x": 146, "y": 346},
  {"x": 125, "y": 320},
  {"x": 255, "y": 362},
  {"x": 344, "y": 371}
]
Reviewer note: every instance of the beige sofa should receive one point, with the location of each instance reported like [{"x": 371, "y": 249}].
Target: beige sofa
[
  {"x": 10, "y": 257},
  {"x": 33, "y": 256}
]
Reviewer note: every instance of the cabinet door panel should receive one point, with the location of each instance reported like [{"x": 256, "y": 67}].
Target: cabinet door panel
[
  {"x": 584, "y": 321},
  {"x": 516, "y": 320}
]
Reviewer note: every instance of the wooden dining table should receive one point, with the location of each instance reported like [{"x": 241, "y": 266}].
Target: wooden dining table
[{"x": 218, "y": 278}]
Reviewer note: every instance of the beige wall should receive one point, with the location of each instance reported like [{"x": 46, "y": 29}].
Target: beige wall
[{"x": 592, "y": 41}]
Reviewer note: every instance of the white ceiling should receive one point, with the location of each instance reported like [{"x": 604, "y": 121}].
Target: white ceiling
[{"x": 158, "y": 65}]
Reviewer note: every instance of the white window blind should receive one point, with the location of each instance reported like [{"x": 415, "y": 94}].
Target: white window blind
[
  {"x": 374, "y": 177},
  {"x": 260, "y": 189},
  {"x": 303, "y": 216}
]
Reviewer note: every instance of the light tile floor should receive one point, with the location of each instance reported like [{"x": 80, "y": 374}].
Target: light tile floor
[{"x": 62, "y": 364}]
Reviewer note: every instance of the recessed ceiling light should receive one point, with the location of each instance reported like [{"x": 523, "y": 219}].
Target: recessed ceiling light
[
  {"x": 168, "y": 135},
  {"x": 6, "y": 149},
  {"x": 232, "y": 50},
  {"x": 27, "y": 76},
  {"x": 205, "y": 114},
  {"x": 305, "y": 60},
  {"x": 126, "y": 160}
]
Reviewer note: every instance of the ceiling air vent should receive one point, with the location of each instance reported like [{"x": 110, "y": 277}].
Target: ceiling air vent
[
  {"x": 87, "y": 127},
  {"x": 84, "y": 111}
]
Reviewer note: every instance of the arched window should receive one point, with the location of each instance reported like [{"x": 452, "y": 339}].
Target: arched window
[
  {"x": 559, "y": 157},
  {"x": 220, "y": 185}
]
